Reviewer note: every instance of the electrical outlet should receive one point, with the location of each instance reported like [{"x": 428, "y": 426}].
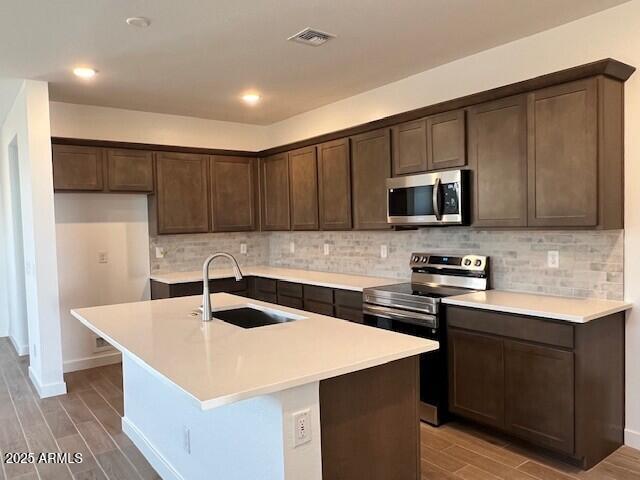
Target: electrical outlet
[
  {"x": 292, "y": 247},
  {"x": 103, "y": 257},
  {"x": 301, "y": 427},
  {"x": 186, "y": 440},
  {"x": 553, "y": 259},
  {"x": 160, "y": 252},
  {"x": 326, "y": 249},
  {"x": 243, "y": 248},
  {"x": 384, "y": 251}
]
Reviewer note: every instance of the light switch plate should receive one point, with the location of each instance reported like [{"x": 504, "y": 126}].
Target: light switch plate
[
  {"x": 326, "y": 249},
  {"x": 103, "y": 257},
  {"x": 243, "y": 248},
  {"x": 160, "y": 252},
  {"x": 292, "y": 247},
  {"x": 384, "y": 251},
  {"x": 553, "y": 259}
]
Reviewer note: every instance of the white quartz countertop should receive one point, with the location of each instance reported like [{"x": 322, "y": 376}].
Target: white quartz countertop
[
  {"x": 322, "y": 279},
  {"x": 217, "y": 363},
  {"x": 577, "y": 310}
]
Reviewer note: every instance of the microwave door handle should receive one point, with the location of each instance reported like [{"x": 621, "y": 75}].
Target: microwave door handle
[{"x": 436, "y": 199}]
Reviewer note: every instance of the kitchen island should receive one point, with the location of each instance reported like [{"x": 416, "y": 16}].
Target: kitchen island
[{"x": 313, "y": 398}]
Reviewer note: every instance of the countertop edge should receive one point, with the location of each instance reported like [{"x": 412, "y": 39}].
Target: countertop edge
[{"x": 538, "y": 313}]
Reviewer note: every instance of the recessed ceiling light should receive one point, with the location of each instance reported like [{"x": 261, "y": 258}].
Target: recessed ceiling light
[
  {"x": 140, "y": 22},
  {"x": 251, "y": 98},
  {"x": 84, "y": 72}
]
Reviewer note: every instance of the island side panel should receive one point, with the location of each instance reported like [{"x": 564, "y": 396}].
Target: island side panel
[{"x": 370, "y": 423}]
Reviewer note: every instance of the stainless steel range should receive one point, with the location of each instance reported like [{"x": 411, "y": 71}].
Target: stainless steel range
[{"x": 414, "y": 309}]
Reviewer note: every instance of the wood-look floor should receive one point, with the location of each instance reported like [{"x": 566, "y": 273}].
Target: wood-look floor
[
  {"x": 460, "y": 451},
  {"x": 87, "y": 420}
]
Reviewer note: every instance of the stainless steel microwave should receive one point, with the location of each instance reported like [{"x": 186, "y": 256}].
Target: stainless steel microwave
[{"x": 439, "y": 198}]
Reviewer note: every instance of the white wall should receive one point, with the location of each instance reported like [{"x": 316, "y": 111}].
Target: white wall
[
  {"x": 28, "y": 123},
  {"x": 87, "y": 224},
  {"x": 102, "y": 123}
]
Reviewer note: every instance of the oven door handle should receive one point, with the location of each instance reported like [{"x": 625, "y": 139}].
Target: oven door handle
[
  {"x": 414, "y": 318},
  {"x": 436, "y": 199}
]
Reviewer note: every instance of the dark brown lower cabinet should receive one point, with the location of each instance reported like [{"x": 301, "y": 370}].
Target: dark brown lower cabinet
[
  {"x": 161, "y": 290},
  {"x": 558, "y": 385},
  {"x": 370, "y": 424},
  {"x": 476, "y": 382},
  {"x": 539, "y": 388},
  {"x": 348, "y": 305},
  {"x": 289, "y": 294}
]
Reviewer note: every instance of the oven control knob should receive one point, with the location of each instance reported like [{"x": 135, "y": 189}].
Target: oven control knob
[
  {"x": 424, "y": 259},
  {"x": 415, "y": 259},
  {"x": 478, "y": 263},
  {"x": 467, "y": 262}
]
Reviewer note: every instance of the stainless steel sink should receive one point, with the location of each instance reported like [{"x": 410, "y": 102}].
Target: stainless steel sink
[{"x": 250, "y": 317}]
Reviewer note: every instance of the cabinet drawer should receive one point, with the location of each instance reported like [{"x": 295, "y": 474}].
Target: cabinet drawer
[
  {"x": 514, "y": 326},
  {"x": 318, "y": 294},
  {"x": 347, "y": 313},
  {"x": 348, "y": 298},
  {"x": 265, "y": 296},
  {"x": 293, "y": 302},
  {"x": 265, "y": 285},
  {"x": 229, "y": 285},
  {"x": 318, "y": 307},
  {"x": 289, "y": 289}
]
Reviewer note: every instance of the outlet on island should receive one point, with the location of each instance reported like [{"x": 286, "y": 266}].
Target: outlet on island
[{"x": 301, "y": 427}]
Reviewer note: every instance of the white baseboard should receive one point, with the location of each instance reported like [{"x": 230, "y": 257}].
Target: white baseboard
[
  {"x": 632, "y": 438},
  {"x": 21, "y": 350},
  {"x": 49, "y": 389},
  {"x": 157, "y": 461},
  {"x": 91, "y": 362}
]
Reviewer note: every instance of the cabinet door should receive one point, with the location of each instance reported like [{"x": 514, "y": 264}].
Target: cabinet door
[
  {"x": 77, "y": 168},
  {"x": 446, "y": 140},
  {"x": 563, "y": 167},
  {"x": 476, "y": 377},
  {"x": 275, "y": 192},
  {"x": 233, "y": 204},
  {"x": 539, "y": 395},
  {"x": 130, "y": 170},
  {"x": 334, "y": 185},
  {"x": 303, "y": 181},
  {"x": 498, "y": 158},
  {"x": 182, "y": 193},
  {"x": 370, "y": 168},
  {"x": 409, "y": 148}
]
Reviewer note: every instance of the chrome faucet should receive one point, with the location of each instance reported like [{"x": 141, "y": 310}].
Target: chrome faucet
[{"x": 206, "y": 299}]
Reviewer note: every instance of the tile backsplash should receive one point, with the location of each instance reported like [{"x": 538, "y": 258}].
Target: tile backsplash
[{"x": 591, "y": 262}]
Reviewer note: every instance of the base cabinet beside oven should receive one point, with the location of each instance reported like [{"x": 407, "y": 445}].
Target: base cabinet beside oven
[{"x": 554, "y": 384}]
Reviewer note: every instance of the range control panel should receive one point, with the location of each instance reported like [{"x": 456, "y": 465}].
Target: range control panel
[{"x": 456, "y": 262}]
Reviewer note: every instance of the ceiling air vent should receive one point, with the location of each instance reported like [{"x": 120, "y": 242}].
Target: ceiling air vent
[{"x": 311, "y": 36}]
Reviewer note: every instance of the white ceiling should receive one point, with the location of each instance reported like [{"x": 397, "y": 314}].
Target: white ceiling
[{"x": 198, "y": 56}]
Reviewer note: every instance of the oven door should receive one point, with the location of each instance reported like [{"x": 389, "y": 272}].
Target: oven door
[
  {"x": 428, "y": 199},
  {"x": 433, "y": 372}
]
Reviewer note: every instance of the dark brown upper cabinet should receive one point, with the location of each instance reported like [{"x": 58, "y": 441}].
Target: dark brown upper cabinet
[
  {"x": 232, "y": 192},
  {"x": 77, "y": 168},
  {"x": 274, "y": 173},
  {"x": 498, "y": 159},
  {"x": 409, "y": 148},
  {"x": 370, "y": 168},
  {"x": 334, "y": 185},
  {"x": 303, "y": 183},
  {"x": 129, "y": 170},
  {"x": 182, "y": 193},
  {"x": 563, "y": 155},
  {"x": 446, "y": 145}
]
